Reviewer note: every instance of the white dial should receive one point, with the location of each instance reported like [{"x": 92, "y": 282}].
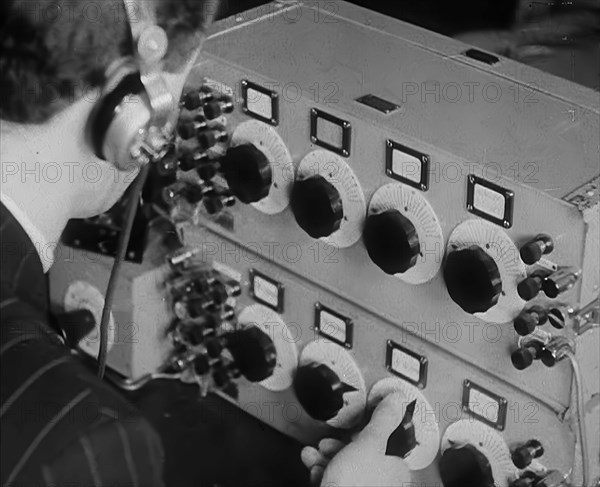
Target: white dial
[
  {"x": 82, "y": 295},
  {"x": 324, "y": 352},
  {"x": 268, "y": 141},
  {"x": 488, "y": 441},
  {"x": 498, "y": 245},
  {"x": 413, "y": 205},
  {"x": 337, "y": 173},
  {"x": 424, "y": 419},
  {"x": 273, "y": 325}
]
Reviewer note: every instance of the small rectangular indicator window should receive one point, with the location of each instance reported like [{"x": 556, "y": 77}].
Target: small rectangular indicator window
[
  {"x": 484, "y": 405},
  {"x": 490, "y": 201},
  {"x": 266, "y": 290},
  {"x": 330, "y": 132},
  {"x": 260, "y": 103},
  {"x": 333, "y": 326},
  {"x": 407, "y": 364},
  {"x": 407, "y": 165}
]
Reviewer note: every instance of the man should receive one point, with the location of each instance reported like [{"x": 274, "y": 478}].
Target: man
[{"x": 60, "y": 426}]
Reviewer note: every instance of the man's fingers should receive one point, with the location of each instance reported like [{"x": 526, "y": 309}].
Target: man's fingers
[
  {"x": 385, "y": 419},
  {"x": 330, "y": 446},
  {"x": 316, "y": 475},
  {"x": 311, "y": 457},
  {"x": 364, "y": 468}
]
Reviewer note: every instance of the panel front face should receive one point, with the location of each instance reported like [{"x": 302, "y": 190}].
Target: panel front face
[
  {"x": 391, "y": 233},
  {"x": 417, "y": 299},
  {"x": 389, "y": 349}
]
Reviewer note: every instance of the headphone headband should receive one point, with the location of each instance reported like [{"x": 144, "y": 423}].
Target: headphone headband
[
  {"x": 140, "y": 14},
  {"x": 150, "y": 46}
]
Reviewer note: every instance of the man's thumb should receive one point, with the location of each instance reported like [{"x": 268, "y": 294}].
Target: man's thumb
[{"x": 386, "y": 417}]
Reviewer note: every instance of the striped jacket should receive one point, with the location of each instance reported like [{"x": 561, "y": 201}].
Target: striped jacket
[{"x": 59, "y": 425}]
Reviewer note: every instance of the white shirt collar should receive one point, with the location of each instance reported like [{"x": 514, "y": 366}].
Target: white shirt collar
[{"x": 44, "y": 248}]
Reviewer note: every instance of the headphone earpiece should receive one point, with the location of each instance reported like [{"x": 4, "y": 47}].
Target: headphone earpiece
[
  {"x": 129, "y": 122},
  {"x": 118, "y": 116}
]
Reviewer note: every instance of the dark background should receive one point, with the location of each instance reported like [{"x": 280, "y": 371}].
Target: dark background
[
  {"x": 561, "y": 37},
  {"x": 447, "y": 17},
  {"x": 211, "y": 443}
]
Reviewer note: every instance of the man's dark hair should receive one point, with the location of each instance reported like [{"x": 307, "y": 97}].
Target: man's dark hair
[{"x": 50, "y": 48}]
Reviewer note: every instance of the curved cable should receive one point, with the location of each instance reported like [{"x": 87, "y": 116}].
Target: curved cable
[
  {"x": 124, "y": 236},
  {"x": 577, "y": 381}
]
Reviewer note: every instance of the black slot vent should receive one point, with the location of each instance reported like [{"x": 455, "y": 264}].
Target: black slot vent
[
  {"x": 378, "y": 103},
  {"x": 484, "y": 57}
]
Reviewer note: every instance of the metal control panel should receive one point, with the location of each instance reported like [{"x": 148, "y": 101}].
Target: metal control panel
[{"x": 408, "y": 217}]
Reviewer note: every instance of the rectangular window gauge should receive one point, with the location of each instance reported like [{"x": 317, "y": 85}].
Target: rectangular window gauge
[
  {"x": 333, "y": 326},
  {"x": 330, "y": 132},
  {"x": 407, "y": 165},
  {"x": 484, "y": 405},
  {"x": 490, "y": 201},
  {"x": 406, "y": 364},
  {"x": 260, "y": 103},
  {"x": 266, "y": 290}
]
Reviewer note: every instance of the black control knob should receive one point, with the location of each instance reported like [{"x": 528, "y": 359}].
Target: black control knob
[
  {"x": 472, "y": 279},
  {"x": 253, "y": 352},
  {"x": 465, "y": 466},
  {"x": 320, "y": 390},
  {"x": 188, "y": 128},
  {"x": 189, "y": 160},
  {"x": 210, "y": 137},
  {"x": 183, "y": 286},
  {"x": 201, "y": 365},
  {"x": 559, "y": 282},
  {"x": 206, "y": 172},
  {"x": 221, "y": 291},
  {"x": 228, "y": 199},
  {"x": 168, "y": 165},
  {"x": 221, "y": 376},
  {"x": 213, "y": 205},
  {"x": 193, "y": 308},
  {"x": 403, "y": 439},
  {"x": 525, "y": 454},
  {"x": 227, "y": 313},
  {"x": 528, "y": 479},
  {"x": 192, "y": 100},
  {"x": 530, "y": 318},
  {"x": 530, "y": 287},
  {"x": 190, "y": 192},
  {"x": 317, "y": 206},
  {"x": 214, "y": 347},
  {"x": 549, "y": 356},
  {"x": 533, "y": 250},
  {"x": 76, "y": 325},
  {"x": 215, "y": 108},
  {"x": 391, "y": 241},
  {"x": 196, "y": 333},
  {"x": 523, "y": 357},
  {"x": 247, "y": 172}
]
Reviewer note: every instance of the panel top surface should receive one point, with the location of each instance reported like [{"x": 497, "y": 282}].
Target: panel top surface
[{"x": 504, "y": 114}]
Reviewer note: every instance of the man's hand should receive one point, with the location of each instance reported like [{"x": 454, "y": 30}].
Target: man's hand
[{"x": 362, "y": 463}]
